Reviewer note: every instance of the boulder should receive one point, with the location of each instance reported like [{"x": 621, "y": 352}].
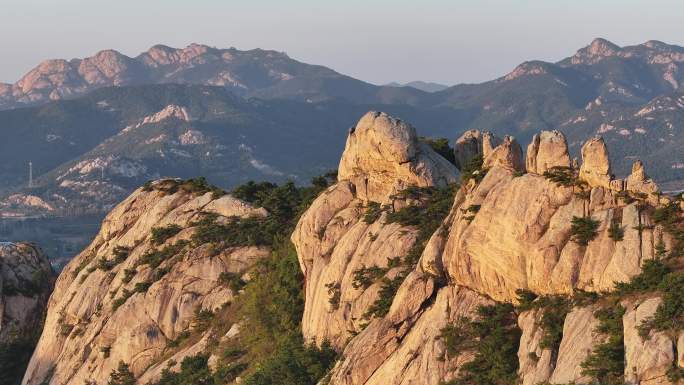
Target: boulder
[
  {"x": 646, "y": 360},
  {"x": 595, "y": 169},
  {"x": 467, "y": 147},
  {"x": 639, "y": 182},
  {"x": 547, "y": 149},
  {"x": 507, "y": 154},
  {"x": 383, "y": 156}
]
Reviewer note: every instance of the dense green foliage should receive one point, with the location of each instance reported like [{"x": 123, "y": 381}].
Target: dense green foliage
[
  {"x": 14, "y": 357},
  {"x": 616, "y": 232},
  {"x": 669, "y": 316},
  {"x": 495, "y": 338},
  {"x": 195, "y": 186},
  {"x": 271, "y": 302},
  {"x": 562, "y": 176},
  {"x": 473, "y": 169},
  {"x": 553, "y": 309},
  {"x": 441, "y": 146},
  {"x": 426, "y": 217},
  {"x": 122, "y": 375},
  {"x": 161, "y": 234},
  {"x": 373, "y": 212},
  {"x": 583, "y": 229},
  {"x": 606, "y": 363}
]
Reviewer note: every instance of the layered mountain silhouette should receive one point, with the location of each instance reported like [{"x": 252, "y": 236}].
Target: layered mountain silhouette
[{"x": 97, "y": 127}]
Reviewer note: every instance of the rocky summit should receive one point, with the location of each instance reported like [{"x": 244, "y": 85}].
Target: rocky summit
[{"x": 402, "y": 268}]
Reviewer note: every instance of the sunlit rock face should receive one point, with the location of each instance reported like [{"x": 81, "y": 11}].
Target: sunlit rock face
[{"x": 99, "y": 314}]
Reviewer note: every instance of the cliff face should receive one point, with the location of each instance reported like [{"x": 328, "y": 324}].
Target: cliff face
[
  {"x": 139, "y": 287},
  {"x": 26, "y": 279},
  {"x": 554, "y": 231}
]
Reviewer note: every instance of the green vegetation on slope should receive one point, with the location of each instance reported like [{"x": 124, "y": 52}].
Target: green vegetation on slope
[
  {"x": 494, "y": 338},
  {"x": 272, "y": 302}
]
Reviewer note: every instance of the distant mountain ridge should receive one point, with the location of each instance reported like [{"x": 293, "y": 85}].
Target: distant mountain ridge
[
  {"x": 421, "y": 85},
  {"x": 91, "y": 150},
  {"x": 257, "y": 72}
]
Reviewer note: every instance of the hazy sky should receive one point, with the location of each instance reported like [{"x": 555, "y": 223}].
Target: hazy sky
[{"x": 375, "y": 40}]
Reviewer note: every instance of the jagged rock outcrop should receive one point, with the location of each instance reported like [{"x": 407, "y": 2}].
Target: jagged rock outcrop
[
  {"x": 647, "y": 360},
  {"x": 466, "y": 147},
  {"x": 26, "y": 280},
  {"x": 595, "y": 169},
  {"x": 639, "y": 182},
  {"x": 114, "y": 302},
  {"x": 473, "y": 143},
  {"x": 506, "y": 232},
  {"x": 333, "y": 240},
  {"x": 547, "y": 149},
  {"x": 383, "y": 156},
  {"x": 507, "y": 154}
]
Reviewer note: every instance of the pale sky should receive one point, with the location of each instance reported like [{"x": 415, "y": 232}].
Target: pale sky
[{"x": 447, "y": 41}]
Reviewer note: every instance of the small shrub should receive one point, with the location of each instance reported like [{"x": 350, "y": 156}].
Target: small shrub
[
  {"x": 388, "y": 289},
  {"x": 526, "y": 299},
  {"x": 155, "y": 257},
  {"x": 616, "y": 232},
  {"x": 473, "y": 170},
  {"x": 128, "y": 275},
  {"x": 441, "y": 146},
  {"x": 106, "y": 350},
  {"x": 653, "y": 272},
  {"x": 334, "y": 294},
  {"x": 161, "y": 234},
  {"x": 122, "y": 375},
  {"x": 366, "y": 276},
  {"x": 202, "y": 319},
  {"x": 562, "y": 176},
  {"x": 232, "y": 280},
  {"x": 457, "y": 337},
  {"x": 497, "y": 338},
  {"x": 583, "y": 230},
  {"x": 606, "y": 363},
  {"x": 373, "y": 212}
]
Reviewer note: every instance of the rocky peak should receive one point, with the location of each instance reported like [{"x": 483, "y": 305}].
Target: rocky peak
[
  {"x": 383, "y": 156},
  {"x": 474, "y": 143},
  {"x": 547, "y": 149},
  {"x": 508, "y": 155},
  {"x": 527, "y": 68},
  {"x": 136, "y": 289},
  {"x": 639, "y": 182},
  {"x": 596, "y": 51},
  {"x": 595, "y": 169}
]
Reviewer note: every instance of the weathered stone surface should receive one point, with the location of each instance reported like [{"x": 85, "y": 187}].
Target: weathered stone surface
[
  {"x": 520, "y": 238},
  {"x": 639, "y": 182},
  {"x": 383, "y": 156},
  {"x": 595, "y": 169},
  {"x": 82, "y": 320},
  {"x": 578, "y": 342},
  {"x": 547, "y": 149},
  {"x": 489, "y": 143},
  {"x": 535, "y": 364},
  {"x": 508, "y": 154},
  {"x": 333, "y": 241},
  {"x": 646, "y": 360},
  {"x": 26, "y": 280},
  {"x": 467, "y": 147},
  {"x": 403, "y": 348}
]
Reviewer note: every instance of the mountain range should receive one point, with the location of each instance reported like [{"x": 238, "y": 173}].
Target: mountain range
[{"x": 97, "y": 127}]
